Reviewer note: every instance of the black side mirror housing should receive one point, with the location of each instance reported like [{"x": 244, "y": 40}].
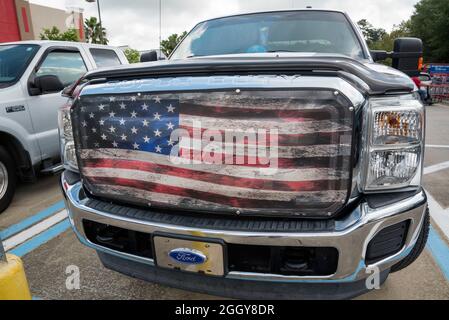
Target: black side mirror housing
[
  {"x": 45, "y": 84},
  {"x": 407, "y": 55},
  {"x": 148, "y": 56}
]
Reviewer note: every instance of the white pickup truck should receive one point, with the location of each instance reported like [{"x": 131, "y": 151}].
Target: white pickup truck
[{"x": 32, "y": 74}]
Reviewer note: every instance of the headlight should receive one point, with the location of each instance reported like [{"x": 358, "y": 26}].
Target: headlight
[
  {"x": 393, "y": 148},
  {"x": 68, "y": 153}
]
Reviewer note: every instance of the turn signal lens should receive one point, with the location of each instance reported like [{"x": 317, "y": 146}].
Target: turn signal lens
[{"x": 397, "y": 127}]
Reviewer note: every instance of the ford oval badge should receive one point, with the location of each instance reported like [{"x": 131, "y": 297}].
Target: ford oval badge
[{"x": 187, "y": 256}]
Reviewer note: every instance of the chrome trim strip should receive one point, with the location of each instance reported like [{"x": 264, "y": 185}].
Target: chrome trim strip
[
  {"x": 202, "y": 83},
  {"x": 351, "y": 239}
]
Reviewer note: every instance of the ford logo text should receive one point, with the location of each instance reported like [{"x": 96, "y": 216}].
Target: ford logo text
[{"x": 187, "y": 256}]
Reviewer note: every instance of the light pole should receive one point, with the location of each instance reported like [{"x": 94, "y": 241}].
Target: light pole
[
  {"x": 99, "y": 17},
  {"x": 160, "y": 27},
  {"x": 98, "y": 9}
]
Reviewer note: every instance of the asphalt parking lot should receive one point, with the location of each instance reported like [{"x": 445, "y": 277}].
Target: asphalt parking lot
[{"x": 35, "y": 227}]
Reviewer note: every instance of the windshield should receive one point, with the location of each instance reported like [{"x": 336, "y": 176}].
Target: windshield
[
  {"x": 293, "y": 31},
  {"x": 13, "y": 61}
]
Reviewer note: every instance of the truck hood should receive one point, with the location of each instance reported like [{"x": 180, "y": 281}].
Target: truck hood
[{"x": 368, "y": 77}]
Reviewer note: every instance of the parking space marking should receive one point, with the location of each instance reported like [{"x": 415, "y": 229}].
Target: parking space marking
[
  {"x": 41, "y": 238},
  {"x": 28, "y": 222},
  {"x": 439, "y": 251},
  {"x": 436, "y": 167},
  {"x": 29, "y": 233},
  {"x": 437, "y": 146}
]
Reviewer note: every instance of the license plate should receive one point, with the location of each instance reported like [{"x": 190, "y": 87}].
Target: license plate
[{"x": 189, "y": 255}]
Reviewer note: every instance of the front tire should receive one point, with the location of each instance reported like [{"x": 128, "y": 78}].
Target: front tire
[
  {"x": 418, "y": 248},
  {"x": 8, "y": 179}
]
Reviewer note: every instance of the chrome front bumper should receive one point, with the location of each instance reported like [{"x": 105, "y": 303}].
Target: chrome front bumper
[{"x": 350, "y": 237}]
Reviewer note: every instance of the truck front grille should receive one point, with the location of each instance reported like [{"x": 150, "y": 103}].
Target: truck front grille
[{"x": 247, "y": 152}]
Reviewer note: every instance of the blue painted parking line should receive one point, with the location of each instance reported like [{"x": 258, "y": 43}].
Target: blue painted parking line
[
  {"x": 41, "y": 238},
  {"x": 25, "y": 223},
  {"x": 439, "y": 250}
]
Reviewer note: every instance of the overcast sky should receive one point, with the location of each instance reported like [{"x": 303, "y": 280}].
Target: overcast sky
[{"x": 136, "y": 22}]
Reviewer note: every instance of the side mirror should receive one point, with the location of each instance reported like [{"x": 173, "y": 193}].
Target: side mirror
[
  {"x": 148, "y": 56},
  {"x": 45, "y": 84},
  {"x": 407, "y": 56}
]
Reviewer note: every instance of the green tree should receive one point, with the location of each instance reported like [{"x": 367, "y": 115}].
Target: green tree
[
  {"x": 95, "y": 33},
  {"x": 54, "y": 33},
  {"x": 430, "y": 22},
  {"x": 371, "y": 34},
  {"x": 132, "y": 55},
  {"x": 171, "y": 42}
]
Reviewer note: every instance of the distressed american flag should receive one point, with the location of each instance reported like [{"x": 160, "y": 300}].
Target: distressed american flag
[{"x": 124, "y": 144}]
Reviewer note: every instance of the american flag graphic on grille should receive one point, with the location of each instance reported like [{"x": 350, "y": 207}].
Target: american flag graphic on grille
[{"x": 127, "y": 150}]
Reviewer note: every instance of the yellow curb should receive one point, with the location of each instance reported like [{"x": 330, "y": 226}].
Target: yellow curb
[{"x": 13, "y": 282}]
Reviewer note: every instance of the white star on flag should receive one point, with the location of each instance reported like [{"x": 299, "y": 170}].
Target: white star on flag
[
  {"x": 101, "y": 122},
  {"x": 122, "y": 122},
  {"x": 91, "y": 115},
  {"x": 111, "y": 99},
  {"x": 103, "y": 136},
  {"x": 144, "y": 107},
  {"x": 133, "y": 98},
  {"x": 170, "y": 126},
  {"x": 157, "y": 116},
  {"x": 158, "y": 149},
  {"x": 112, "y": 129},
  {"x": 171, "y": 109},
  {"x": 157, "y": 133},
  {"x": 123, "y": 137},
  {"x": 115, "y": 144},
  {"x": 122, "y": 106},
  {"x": 136, "y": 146},
  {"x": 133, "y": 114},
  {"x": 146, "y": 139},
  {"x": 134, "y": 130},
  {"x": 145, "y": 123},
  {"x": 101, "y": 107},
  {"x": 84, "y": 123},
  {"x": 157, "y": 99}
]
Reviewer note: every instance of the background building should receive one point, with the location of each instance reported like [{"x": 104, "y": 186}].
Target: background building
[{"x": 21, "y": 20}]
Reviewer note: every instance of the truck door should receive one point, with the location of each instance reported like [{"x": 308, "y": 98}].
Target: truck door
[{"x": 68, "y": 64}]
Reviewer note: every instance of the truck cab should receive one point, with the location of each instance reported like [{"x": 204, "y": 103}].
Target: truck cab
[
  {"x": 269, "y": 157},
  {"x": 32, "y": 75}
]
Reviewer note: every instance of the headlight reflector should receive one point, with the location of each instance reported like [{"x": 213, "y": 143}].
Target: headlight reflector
[{"x": 393, "y": 168}]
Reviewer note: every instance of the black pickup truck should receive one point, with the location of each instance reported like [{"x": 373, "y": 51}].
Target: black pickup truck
[{"x": 268, "y": 157}]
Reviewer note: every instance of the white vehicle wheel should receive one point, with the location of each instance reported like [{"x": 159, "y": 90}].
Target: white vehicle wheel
[{"x": 7, "y": 179}]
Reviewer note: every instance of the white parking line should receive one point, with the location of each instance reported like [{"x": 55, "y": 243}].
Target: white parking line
[
  {"x": 34, "y": 230},
  {"x": 436, "y": 167},
  {"x": 437, "y": 146}
]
